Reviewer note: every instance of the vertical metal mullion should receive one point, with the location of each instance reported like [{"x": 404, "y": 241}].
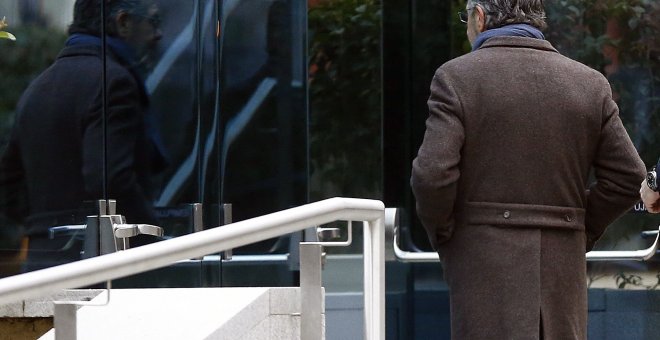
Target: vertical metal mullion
[
  {"x": 306, "y": 103},
  {"x": 198, "y": 97},
  {"x": 217, "y": 112},
  {"x": 104, "y": 103}
]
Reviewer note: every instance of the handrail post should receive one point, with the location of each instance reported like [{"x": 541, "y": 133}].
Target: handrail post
[
  {"x": 374, "y": 279},
  {"x": 65, "y": 321},
  {"x": 311, "y": 293}
]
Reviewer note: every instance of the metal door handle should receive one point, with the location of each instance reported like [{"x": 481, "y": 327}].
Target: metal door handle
[
  {"x": 114, "y": 233},
  {"x": 130, "y": 230},
  {"x": 594, "y": 255},
  {"x": 65, "y": 230},
  {"x": 629, "y": 255}
]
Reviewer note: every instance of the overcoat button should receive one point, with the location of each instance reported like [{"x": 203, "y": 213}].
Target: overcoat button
[
  {"x": 568, "y": 218},
  {"x": 506, "y": 214}
]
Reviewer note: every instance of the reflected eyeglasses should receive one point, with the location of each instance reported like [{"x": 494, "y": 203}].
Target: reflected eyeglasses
[{"x": 154, "y": 20}]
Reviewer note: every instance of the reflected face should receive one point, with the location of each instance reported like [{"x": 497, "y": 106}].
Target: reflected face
[{"x": 144, "y": 34}]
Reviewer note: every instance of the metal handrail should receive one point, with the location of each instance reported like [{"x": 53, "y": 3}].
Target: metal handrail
[
  {"x": 160, "y": 254},
  {"x": 592, "y": 256}
]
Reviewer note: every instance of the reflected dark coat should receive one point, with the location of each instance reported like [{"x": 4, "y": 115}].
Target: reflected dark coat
[
  {"x": 56, "y": 145},
  {"x": 513, "y": 132}
]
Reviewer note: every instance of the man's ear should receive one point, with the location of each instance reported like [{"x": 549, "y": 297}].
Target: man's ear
[
  {"x": 481, "y": 18},
  {"x": 124, "y": 24}
]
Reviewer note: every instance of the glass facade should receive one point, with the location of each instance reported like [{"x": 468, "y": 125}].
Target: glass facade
[{"x": 265, "y": 105}]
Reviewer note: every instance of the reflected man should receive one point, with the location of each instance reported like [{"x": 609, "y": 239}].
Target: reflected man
[
  {"x": 500, "y": 180},
  {"x": 56, "y": 147}
]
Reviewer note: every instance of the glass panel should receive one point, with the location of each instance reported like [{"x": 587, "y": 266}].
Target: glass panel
[
  {"x": 51, "y": 166},
  {"x": 263, "y": 131},
  {"x": 174, "y": 141},
  {"x": 205, "y": 102},
  {"x": 418, "y": 36},
  {"x": 345, "y": 102},
  {"x": 262, "y": 159},
  {"x": 228, "y": 106},
  {"x": 182, "y": 84}
]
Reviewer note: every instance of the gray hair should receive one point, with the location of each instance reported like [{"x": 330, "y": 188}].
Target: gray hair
[
  {"x": 505, "y": 12},
  {"x": 87, "y": 14}
]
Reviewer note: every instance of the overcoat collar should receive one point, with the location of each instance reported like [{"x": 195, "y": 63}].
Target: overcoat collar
[
  {"x": 93, "y": 50},
  {"x": 522, "y": 42}
]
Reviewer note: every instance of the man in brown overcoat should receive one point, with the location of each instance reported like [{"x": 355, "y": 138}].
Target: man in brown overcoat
[{"x": 502, "y": 177}]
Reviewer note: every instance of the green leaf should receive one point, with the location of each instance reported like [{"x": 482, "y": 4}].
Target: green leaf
[{"x": 7, "y": 35}]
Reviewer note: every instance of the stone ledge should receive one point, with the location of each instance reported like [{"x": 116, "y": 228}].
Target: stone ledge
[
  {"x": 43, "y": 307},
  {"x": 24, "y": 328}
]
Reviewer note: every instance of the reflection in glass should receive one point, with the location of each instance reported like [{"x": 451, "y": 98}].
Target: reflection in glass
[
  {"x": 239, "y": 136},
  {"x": 19, "y": 63},
  {"x": 40, "y": 39},
  {"x": 82, "y": 130},
  {"x": 219, "y": 115},
  {"x": 263, "y": 129}
]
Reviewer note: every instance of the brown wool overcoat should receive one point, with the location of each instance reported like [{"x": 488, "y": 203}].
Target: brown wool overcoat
[{"x": 501, "y": 180}]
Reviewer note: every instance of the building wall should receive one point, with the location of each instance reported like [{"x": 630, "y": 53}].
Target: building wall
[
  {"x": 9, "y": 9},
  {"x": 57, "y": 13}
]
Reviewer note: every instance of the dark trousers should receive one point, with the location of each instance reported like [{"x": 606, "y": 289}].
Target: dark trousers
[{"x": 44, "y": 252}]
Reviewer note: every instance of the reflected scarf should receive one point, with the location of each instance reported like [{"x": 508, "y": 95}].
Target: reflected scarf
[
  {"x": 127, "y": 57},
  {"x": 119, "y": 48}
]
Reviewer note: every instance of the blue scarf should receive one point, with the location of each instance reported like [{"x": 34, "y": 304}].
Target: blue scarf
[
  {"x": 118, "y": 47},
  {"x": 514, "y": 30},
  {"x": 123, "y": 51}
]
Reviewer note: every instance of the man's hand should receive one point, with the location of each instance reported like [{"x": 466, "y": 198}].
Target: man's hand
[{"x": 650, "y": 198}]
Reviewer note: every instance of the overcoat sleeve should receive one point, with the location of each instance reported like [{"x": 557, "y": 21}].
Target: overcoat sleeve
[
  {"x": 618, "y": 170},
  {"x": 13, "y": 190},
  {"x": 435, "y": 170}
]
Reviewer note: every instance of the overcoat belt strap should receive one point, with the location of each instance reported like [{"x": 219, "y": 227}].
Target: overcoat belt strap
[{"x": 524, "y": 215}]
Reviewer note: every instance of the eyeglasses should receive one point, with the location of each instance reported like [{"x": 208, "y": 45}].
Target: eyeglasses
[{"x": 463, "y": 15}]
